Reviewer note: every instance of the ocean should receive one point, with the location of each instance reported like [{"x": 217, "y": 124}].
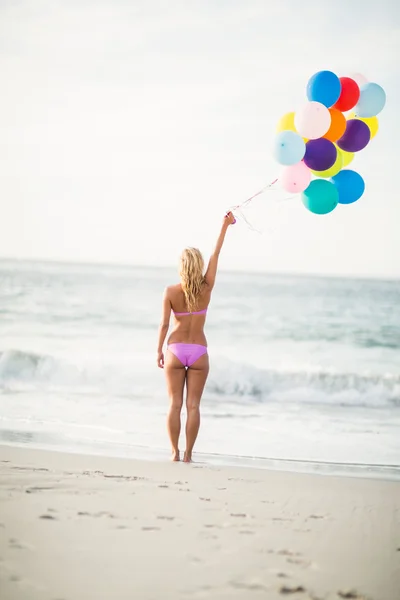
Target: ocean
[{"x": 305, "y": 371}]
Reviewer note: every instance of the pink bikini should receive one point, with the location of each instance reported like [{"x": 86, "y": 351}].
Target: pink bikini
[{"x": 188, "y": 353}]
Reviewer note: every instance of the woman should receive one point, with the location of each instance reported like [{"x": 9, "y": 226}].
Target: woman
[{"x": 186, "y": 361}]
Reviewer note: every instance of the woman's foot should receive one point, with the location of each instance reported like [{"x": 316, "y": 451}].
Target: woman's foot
[
  {"x": 187, "y": 457},
  {"x": 175, "y": 456}
]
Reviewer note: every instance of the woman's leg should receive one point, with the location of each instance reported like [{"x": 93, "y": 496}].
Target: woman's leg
[
  {"x": 175, "y": 374},
  {"x": 196, "y": 378}
]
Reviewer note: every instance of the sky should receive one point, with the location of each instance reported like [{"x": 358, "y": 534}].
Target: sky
[{"x": 129, "y": 127}]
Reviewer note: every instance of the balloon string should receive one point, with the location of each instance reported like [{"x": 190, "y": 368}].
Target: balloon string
[
  {"x": 249, "y": 225},
  {"x": 238, "y": 206}
]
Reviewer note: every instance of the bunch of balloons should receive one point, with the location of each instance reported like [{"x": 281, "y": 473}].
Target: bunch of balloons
[{"x": 317, "y": 143}]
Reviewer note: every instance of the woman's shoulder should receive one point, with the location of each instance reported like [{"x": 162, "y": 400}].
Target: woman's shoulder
[{"x": 172, "y": 290}]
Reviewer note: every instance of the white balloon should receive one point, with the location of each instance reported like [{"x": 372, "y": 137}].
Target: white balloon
[
  {"x": 313, "y": 120},
  {"x": 359, "y": 79}
]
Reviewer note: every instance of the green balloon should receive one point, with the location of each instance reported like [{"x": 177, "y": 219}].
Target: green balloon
[{"x": 321, "y": 197}]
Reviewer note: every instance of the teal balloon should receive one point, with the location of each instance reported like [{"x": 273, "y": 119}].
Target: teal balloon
[
  {"x": 350, "y": 186},
  {"x": 289, "y": 148},
  {"x": 321, "y": 197},
  {"x": 372, "y": 100}
]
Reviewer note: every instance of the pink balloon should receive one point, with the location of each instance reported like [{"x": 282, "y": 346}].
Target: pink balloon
[
  {"x": 295, "y": 178},
  {"x": 312, "y": 120},
  {"x": 359, "y": 79}
]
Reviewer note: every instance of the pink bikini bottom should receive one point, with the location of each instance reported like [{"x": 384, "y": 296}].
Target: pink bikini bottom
[{"x": 187, "y": 353}]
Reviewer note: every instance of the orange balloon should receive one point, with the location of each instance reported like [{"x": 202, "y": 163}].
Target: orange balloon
[{"x": 338, "y": 125}]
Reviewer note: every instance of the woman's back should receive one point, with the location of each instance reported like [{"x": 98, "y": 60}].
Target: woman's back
[
  {"x": 189, "y": 325},
  {"x": 179, "y": 303}
]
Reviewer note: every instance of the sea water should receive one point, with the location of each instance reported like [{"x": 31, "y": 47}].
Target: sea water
[{"x": 304, "y": 370}]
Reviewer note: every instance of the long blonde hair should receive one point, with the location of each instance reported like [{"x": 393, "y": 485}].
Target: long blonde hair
[{"x": 192, "y": 278}]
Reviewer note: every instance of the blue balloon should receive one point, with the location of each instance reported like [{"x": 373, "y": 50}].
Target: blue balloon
[
  {"x": 289, "y": 148},
  {"x": 324, "y": 87},
  {"x": 321, "y": 197},
  {"x": 349, "y": 184},
  {"x": 372, "y": 100}
]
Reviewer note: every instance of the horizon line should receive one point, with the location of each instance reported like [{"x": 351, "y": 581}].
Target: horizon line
[{"x": 94, "y": 263}]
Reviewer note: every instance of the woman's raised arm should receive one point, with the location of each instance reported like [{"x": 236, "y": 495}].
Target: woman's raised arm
[{"x": 211, "y": 272}]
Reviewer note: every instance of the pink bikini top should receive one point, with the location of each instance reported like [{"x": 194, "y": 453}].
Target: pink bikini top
[{"x": 184, "y": 314}]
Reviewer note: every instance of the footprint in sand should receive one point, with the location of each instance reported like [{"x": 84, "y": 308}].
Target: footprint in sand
[
  {"x": 84, "y": 513},
  {"x": 248, "y": 586},
  {"x": 285, "y": 589},
  {"x": 32, "y": 490},
  {"x": 29, "y": 469},
  {"x": 194, "y": 559},
  {"x": 205, "y": 499},
  {"x": 16, "y": 545},
  {"x": 151, "y": 528},
  {"x": 48, "y": 517},
  {"x": 124, "y": 477},
  {"x": 165, "y": 518},
  {"x": 240, "y": 515},
  {"x": 299, "y": 561},
  {"x": 353, "y": 594},
  {"x": 208, "y": 536},
  {"x": 288, "y": 553},
  {"x": 163, "y": 486}
]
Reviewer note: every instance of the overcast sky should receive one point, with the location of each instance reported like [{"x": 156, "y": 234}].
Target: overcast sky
[{"x": 127, "y": 127}]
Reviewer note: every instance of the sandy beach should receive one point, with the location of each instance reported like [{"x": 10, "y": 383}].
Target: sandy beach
[{"x": 86, "y": 527}]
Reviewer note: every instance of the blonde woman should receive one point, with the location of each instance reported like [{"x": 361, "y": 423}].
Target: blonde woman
[{"x": 186, "y": 360}]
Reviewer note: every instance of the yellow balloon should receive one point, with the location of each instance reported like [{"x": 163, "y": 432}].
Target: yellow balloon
[
  {"x": 347, "y": 157},
  {"x": 372, "y": 123},
  {"x": 335, "y": 168},
  {"x": 286, "y": 123}
]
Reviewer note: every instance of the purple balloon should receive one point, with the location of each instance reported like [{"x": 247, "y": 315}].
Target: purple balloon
[
  {"x": 320, "y": 154},
  {"x": 356, "y": 136}
]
